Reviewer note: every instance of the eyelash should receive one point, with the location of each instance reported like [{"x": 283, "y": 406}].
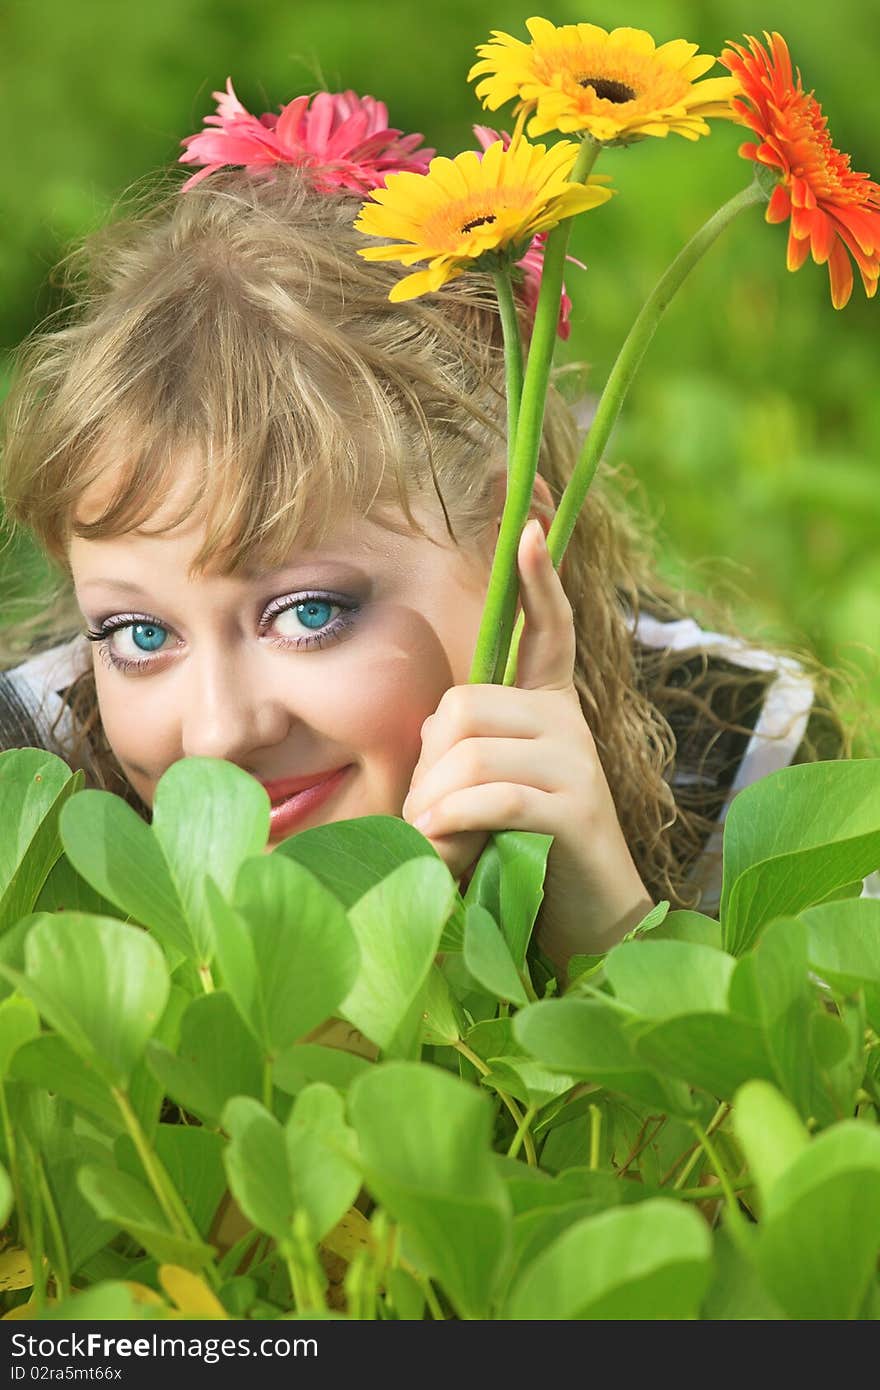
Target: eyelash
[{"x": 320, "y": 638}]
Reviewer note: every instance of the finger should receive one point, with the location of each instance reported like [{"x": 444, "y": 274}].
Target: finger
[
  {"x": 475, "y": 761},
  {"x": 460, "y": 852},
  {"x": 547, "y": 649},
  {"x": 481, "y": 711},
  {"x": 497, "y": 806}
]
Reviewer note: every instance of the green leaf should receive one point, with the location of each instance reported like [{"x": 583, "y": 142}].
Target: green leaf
[
  {"x": 843, "y": 943},
  {"x": 527, "y": 1081},
  {"x": 770, "y": 986},
  {"x": 306, "y": 1062},
  {"x": 34, "y": 786},
  {"x": 487, "y": 956},
  {"x": 208, "y": 817},
  {"x": 6, "y": 1196},
  {"x": 837, "y": 1046},
  {"x": 689, "y": 926},
  {"x": 256, "y": 1167},
  {"x": 645, "y": 1262},
  {"x": 50, "y": 1062},
  {"x": 770, "y": 1131},
  {"x": 127, "y": 1203},
  {"x": 116, "y": 852},
  {"x": 398, "y": 924},
  {"x": 146, "y": 1092},
  {"x": 101, "y": 984},
  {"x": 585, "y": 1038},
  {"x": 109, "y": 1301},
  {"x": 736, "y": 1293},
  {"x": 217, "y": 1058},
  {"x": 444, "y": 1019},
  {"x": 426, "y": 1151},
  {"x": 716, "y": 1052},
  {"x": 308, "y": 1165},
  {"x": 322, "y": 1157},
  {"x": 508, "y": 883},
  {"x": 794, "y": 837},
  {"x": 663, "y": 979},
  {"x": 19, "y": 1021},
  {"x": 536, "y": 1229},
  {"x": 305, "y": 954},
  {"x": 351, "y": 856},
  {"x": 83, "y": 1234},
  {"x": 523, "y": 858},
  {"x": 12, "y": 951},
  {"x": 67, "y": 891},
  {"x": 193, "y": 1159},
  {"x": 405, "y": 1296},
  {"x": 235, "y": 957},
  {"x": 820, "y": 1236}
]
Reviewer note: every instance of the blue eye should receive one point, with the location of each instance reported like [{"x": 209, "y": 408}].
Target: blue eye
[
  {"x": 147, "y": 637},
  {"x": 319, "y": 620},
  {"x": 315, "y": 613}
]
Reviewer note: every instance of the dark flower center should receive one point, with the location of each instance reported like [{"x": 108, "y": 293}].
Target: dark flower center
[
  {"x": 608, "y": 89},
  {"x": 478, "y": 222}
]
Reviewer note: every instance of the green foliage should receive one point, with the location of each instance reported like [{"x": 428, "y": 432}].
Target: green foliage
[{"x": 691, "y": 1132}]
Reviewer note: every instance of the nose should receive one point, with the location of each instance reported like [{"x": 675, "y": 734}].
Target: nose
[{"x": 231, "y": 710}]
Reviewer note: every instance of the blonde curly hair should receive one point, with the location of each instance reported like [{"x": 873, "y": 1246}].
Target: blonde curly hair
[{"x": 237, "y": 322}]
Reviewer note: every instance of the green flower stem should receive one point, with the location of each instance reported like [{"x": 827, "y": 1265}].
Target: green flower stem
[
  {"x": 430, "y": 1297},
  {"x": 526, "y": 981},
  {"x": 166, "y": 1193},
  {"x": 62, "y": 1264},
  {"x": 38, "y": 1273},
  {"x": 621, "y": 376},
  {"x": 522, "y": 1131},
  {"x": 297, "y": 1284},
  {"x": 692, "y": 1153},
  {"x": 595, "y": 1135},
  {"x": 720, "y": 1170},
  {"x": 513, "y": 358},
  {"x": 511, "y": 1104},
  {"x": 490, "y": 653},
  {"x": 18, "y": 1191},
  {"x": 708, "y": 1194}
]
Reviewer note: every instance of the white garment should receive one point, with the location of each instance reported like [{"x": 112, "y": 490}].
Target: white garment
[
  {"x": 40, "y": 680},
  {"x": 777, "y": 734}
]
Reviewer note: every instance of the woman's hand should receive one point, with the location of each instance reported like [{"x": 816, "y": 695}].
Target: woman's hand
[{"x": 523, "y": 758}]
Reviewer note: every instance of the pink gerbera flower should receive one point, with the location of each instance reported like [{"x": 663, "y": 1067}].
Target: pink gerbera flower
[
  {"x": 344, "y": 140},
  {"x": 532, "y": 263}
]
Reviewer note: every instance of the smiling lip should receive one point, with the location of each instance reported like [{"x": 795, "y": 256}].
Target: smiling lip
[{"x": 294, "y": 798}]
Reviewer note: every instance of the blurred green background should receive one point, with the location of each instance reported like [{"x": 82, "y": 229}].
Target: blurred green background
[{"x": 754, "y": 427}]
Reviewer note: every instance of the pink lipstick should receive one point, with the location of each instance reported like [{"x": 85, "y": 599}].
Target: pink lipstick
[{"x": 295, "y": 798}]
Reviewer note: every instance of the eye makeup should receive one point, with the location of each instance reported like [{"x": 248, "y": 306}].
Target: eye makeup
[{"x": 324, "y": 618}]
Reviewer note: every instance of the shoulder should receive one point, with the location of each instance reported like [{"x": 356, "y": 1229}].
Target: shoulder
[{"x": 33, "y": 709}]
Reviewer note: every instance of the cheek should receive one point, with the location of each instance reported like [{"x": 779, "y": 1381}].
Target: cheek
[{"x": 142, "y": 732}]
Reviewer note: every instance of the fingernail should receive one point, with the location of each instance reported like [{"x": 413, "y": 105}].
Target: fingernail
[
  {"x": 539, "y": 530},
  {"x": 422, "y": 822}
]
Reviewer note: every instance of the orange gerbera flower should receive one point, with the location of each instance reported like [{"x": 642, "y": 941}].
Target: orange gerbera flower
[{"x": 833, "y": 209}]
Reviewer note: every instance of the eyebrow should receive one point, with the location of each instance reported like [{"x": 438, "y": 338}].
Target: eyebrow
[{"x": 253, "y": 577}]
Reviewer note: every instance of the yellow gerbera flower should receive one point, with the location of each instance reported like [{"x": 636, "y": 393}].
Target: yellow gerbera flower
[
  {"x": 616, "y": 86},
  {"x": 473, "y": 211}
]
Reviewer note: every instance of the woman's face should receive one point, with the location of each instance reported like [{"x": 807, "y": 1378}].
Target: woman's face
[{"x": 322, "y": 672}]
